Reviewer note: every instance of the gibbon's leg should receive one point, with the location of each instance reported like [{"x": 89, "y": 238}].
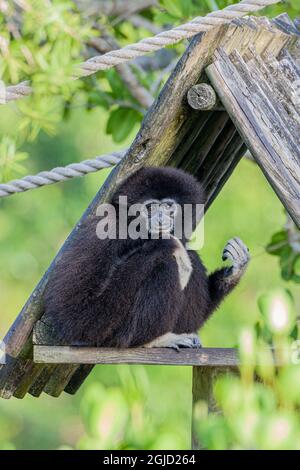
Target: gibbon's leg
[
  {"x": 221, "y": 282},
  {"x": 172, "y": 340}
]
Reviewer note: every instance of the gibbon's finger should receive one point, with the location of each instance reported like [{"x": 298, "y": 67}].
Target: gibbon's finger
[
  {"x": 241, "y": 244},
  {"x": 243, "y": 254},
  {"x": 234, "y": 246},
  {"x": 227, "y": 254}
]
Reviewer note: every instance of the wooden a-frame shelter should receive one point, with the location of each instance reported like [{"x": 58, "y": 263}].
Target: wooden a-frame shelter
[{"x": 253, "y": 65}]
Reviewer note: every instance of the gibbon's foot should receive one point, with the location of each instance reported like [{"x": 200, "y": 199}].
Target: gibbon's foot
[
  {"x": 171, "y": 340},
  {"x": 237, "y": 252}
]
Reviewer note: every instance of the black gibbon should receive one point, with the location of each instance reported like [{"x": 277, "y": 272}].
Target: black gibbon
[{"x": 146, "y": 291}]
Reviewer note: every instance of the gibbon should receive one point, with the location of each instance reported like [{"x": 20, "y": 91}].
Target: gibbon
[{"x": 144, "y": 291}]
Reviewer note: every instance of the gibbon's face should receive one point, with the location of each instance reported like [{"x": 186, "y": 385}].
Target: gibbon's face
[
  {"x": 163, "y": 193},
  {"x": 159, "y": 215}
]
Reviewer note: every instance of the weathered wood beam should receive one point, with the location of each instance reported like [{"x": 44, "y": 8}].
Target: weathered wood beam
[
  {"x": 286, "y": 24},
  {"x": 220, "y": 171},
  {"x": 163, "y": 356},
  {"x": 37, "y": 386},
  {"x": 204, "y": 143},
  {"x": 78, "y": 378},
  {"x": 256, "y": 116},
  {"x": 215, "y": 156}
]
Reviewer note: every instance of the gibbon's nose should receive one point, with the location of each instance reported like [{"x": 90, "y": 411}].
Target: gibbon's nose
[
  {"x": 163, "y": 219},
  {"x": 164, "y": 222}
]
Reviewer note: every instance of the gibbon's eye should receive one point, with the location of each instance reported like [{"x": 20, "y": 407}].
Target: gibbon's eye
[
  {"x": 170, "y": 206},
  {"x": 151, "y": 207}
]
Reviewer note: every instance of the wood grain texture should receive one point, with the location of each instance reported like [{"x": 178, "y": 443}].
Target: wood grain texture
[
  {"x": 162, "y": 356},
  {"x": 262, "y": 122}
]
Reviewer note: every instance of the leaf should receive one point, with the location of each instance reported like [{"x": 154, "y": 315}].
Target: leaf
[
  {"x": 98, "y": 98},
  {"x": 289, "y": 257},
  {"x": 278, "y": 242},
  {"x": 121, "y": 122},
  {"x": 295, "y": 4},
  {"x": 173, "y": 7},
  {"x": 163, "y": 18}
]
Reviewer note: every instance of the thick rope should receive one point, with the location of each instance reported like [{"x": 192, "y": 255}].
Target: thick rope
[
  {"x": 61, "y": 174},
  {"x": 109, "y": 60},
  {"x": 151, "y": 44}
]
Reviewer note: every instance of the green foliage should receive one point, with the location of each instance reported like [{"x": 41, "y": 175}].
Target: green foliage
[
  {"x": 10, "y": 159},
  {"x": 42, "y": 43},
  {"x": 121, "y": 122},
  {"x": 286, "y": 246}
]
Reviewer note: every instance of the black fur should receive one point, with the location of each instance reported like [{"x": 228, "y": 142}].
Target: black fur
[{"x": 126, "y": 293}]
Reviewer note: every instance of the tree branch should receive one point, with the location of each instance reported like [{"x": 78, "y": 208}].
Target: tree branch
[
  {"x": 141, "y": 94},
  {"x": 140, "y": 22},
  {"x": 114, "y": 7}
]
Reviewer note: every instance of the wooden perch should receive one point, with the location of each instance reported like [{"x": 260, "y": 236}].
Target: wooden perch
[{"x": 162, "y": 356}]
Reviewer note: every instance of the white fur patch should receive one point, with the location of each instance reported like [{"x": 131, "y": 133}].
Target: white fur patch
[{"x": 183, "y": 262}]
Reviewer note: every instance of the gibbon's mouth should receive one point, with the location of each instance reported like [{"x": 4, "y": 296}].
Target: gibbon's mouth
[{"x": 161, "y": 228}]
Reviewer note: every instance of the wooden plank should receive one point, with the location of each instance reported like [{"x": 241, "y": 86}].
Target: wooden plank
[
  {"x": 287, "y": 25},
  {"x": 215, "y": 157},
  {"x": 59, "y": 379},
  {"x": 161, "y": 356},
  {"x": 252, "y": 119},
  {"x": 232, "y": 155},
  {"x": 34, "y": 377},
  {"x": 38, "y": 385},
  {"x": 31, "y": 375},
  {"x": 279, "y": 86},
  {"x": 272, "y": 112},
  {"x": 204, "y": 143},
  {"x": 78, "y": 378},
  {"x": 167, "y": 121}
]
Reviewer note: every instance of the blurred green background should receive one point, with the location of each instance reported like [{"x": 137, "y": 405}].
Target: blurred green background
[{"x": 127, "y": 407}]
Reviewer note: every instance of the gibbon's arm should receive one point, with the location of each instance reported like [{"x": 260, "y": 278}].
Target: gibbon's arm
[
  {"x": 222, "y": 281},
  {"x": 204, "y": 293}
]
